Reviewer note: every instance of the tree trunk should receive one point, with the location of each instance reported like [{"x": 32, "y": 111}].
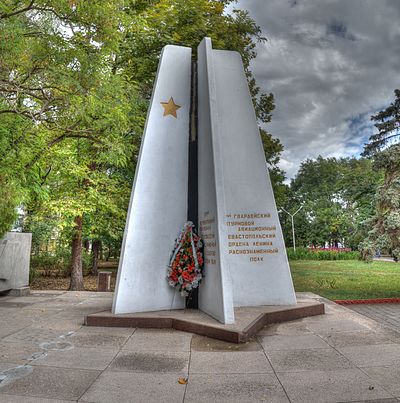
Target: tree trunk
[
  {"x": 76, "y": 261},
  {"x": 95, "y": 256}
]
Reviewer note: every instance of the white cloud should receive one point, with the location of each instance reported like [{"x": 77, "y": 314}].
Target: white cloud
[{"x": 330, "y": 64}]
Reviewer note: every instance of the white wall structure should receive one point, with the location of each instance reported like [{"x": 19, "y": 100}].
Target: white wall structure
[
  {"x": 15, "y": 253},
  {"x": 215, "y": 292},
  {"x": 158, "y": 206},
  {"x": 245, "y": 256}
]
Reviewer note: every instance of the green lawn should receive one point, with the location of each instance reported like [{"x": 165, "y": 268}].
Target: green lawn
[{"x": 347, "y": 279}]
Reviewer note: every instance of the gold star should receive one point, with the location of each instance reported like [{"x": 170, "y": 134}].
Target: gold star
[{"x": 170, "y": 107}]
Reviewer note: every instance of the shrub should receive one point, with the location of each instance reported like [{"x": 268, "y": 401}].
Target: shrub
[{"x": 322, "y": 254}]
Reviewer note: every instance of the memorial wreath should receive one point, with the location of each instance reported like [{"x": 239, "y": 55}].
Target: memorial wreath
[{"x": 185, "y": 269}]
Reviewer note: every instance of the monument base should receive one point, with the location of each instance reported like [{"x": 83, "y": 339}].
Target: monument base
[{"x": 248, "y": 320}]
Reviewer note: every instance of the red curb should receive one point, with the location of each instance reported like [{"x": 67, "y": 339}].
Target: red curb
[{"x": 367, "y": 301}]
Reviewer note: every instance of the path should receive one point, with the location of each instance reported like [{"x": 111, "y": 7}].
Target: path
[
  {"x": 387, "y": 314},
  {"x": 47, "y": 356}
]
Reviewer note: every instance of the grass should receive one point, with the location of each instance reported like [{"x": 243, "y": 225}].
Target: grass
[{"x": 347, "y": 279}]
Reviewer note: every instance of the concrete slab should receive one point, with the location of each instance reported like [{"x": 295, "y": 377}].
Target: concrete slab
[
  {"x": 357, "y": 338},
  {"x": 34, "y": 335},
  {"x": 334, "y": 325},
  {"x": 150, "y": 362},
  {"x": 241, "y": 388},
  {"x": 56, "y": 383},
  {"x": 159, "y": 340},
  {"x": 100, "y": 339},
  {"x": 388, "y": 377},
  {"x": 77, "y": 357},
  {"x": 20, "y": 353},
  {"x": 292, "y": 342},
  {"x": 290, "y": 328},
  {"x": 240, "y": 362},
  {"x": 331, "y": 386},
  {"x": 141, "y": 372},
  {"x": 248, "y": 320},
  {"x": 135, "y": 388},
  {"x": 201, "y": 343},
  {"x": 306, "y": 360},
  {"x": 27, "y": 399},
  {"x": 374, "y": 355}
]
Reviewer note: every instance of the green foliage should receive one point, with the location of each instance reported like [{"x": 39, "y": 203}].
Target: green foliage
[
  {"x": 309, "y": 254},
  {"x": 388, "y": 126},
  {"x": 338, "y": 196},
  {"x": 75, "y": 84},
  {"x": 56, "y": 263},
  {"x": 384, "y": 227},
  {"x": 347, "y": 279}
]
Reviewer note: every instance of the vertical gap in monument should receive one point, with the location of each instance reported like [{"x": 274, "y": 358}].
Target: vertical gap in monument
[{"x": 192, "y": 215}]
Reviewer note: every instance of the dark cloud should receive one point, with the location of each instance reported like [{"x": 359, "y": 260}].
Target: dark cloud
[{"x": 330, "y": 64}]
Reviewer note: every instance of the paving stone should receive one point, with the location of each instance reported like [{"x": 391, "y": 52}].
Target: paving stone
[
  {"x": 27, "y": 399},
  {"x": 243, "y": 388},
  {"x": 56, "y": 383},
  {"x": 34, "y": 335},
  {"x": 18, "y": 352},
  {"x": 361, "y": 337},
  {"x": 288, "y": 328},
  {"x": 330, "y": 386},
  {"x": 292, "y": 342},
  {"x": 388, "y": 377},
  {"x": 159, "y": 340},
  {"x": 128, "y": 387},
  {"x": 338, "y": 325},
  {"x": 246, "y": 362},
  {"x": 373, "y": 355},
  {"x": 81, "y": 358},
  {"x": 310, "y": 359},
  {"x": 151, "y": 361},
  {"x": 201, "y": 343},
  {"x": 7, "y": 328},
  {"x": 102, "y": 340}
]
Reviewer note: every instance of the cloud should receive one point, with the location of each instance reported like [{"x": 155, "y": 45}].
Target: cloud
[{"x": 330, "y": 65}]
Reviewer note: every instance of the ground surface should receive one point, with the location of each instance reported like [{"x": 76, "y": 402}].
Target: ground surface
[
  {"x": 347, "y": 279},
  {"x": 342, "y": 279},
  {"x": 388, "y": 314},
  {"x": 47, "y": 356},
  {"x": 62, "y": 283}
]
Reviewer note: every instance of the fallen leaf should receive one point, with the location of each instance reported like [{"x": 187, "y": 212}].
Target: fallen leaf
[{"x": 182, "y": 381}]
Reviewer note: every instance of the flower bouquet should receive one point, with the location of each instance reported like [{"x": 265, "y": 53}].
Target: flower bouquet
[{"x": 186, "y": 263}]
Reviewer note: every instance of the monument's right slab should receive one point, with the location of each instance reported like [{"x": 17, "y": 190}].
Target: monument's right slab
[{"x": 244, "y": 248}]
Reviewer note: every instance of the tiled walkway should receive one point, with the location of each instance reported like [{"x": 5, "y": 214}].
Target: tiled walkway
[
  {"x": 387, "y": 314},
  {"x": 47, "y": 356}
]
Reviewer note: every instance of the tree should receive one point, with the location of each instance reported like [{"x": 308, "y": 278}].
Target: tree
[
  {"x": 384, "y": 148},
  {"x": 338, "y": 197},
  {"x": 75, "y": 85},
  {"x": 58, "y": 77}
]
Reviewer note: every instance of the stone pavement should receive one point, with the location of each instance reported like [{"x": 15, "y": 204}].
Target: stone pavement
[
  {"x": 47, "y": 356},
  {"x": 387, "y": 314}
]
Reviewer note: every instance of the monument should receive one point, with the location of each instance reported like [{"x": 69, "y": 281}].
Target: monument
[
  {"x": 15, "y": 249},
  {"x": 158, "y": 205},
  {"x": 244, "y": 252}
]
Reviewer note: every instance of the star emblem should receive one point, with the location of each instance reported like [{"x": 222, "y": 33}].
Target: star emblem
[{"x": 170, "y": 108}]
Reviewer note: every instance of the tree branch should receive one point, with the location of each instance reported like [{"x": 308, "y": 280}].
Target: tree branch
[{"x": 22, "y": 10}]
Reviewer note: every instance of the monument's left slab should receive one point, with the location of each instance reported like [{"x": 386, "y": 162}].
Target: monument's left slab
[
  {"x": 158, "y": 206},
  {"x": 15, "y": 251}
]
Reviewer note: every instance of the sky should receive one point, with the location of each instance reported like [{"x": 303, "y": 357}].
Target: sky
[{"x": 330, "y": 64}]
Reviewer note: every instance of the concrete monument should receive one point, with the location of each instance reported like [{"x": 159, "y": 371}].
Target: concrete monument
[
  {"x": 15, "y": 251},
  {"x": 245, "y": 257},
  {"x": 158, "y": 206}
]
